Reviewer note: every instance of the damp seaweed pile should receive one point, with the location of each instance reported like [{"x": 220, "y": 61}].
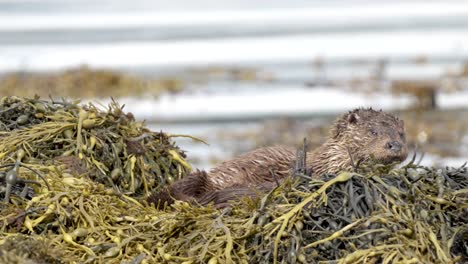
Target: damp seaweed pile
[
  {"x": 88, "y": 205},
  {"x": 410, "y": 215},
  {"x": 109, "y": 147},
  {"x": 69, "y": 166}
]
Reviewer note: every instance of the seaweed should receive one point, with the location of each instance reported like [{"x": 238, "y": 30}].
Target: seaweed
[
  {"x": 100, "y": 166},
  {"x": 109, "y": 147}
]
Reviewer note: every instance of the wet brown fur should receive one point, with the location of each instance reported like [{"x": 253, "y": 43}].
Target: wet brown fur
[
  {"x": 189, "y": 188},
  {"x": 361, "y": 135},
  {"x": 224, "y": 197}
]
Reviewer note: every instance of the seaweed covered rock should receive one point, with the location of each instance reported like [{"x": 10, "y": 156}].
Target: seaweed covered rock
[
  {"x": 71, "y": 178},
  {"x": 410, "y": 215},
  {"x": 109, "y": 147},
  {"x": 414, "y": 215},
  {"x": 67, "y": 170}
]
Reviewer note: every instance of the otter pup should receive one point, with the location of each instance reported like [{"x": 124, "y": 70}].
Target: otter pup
[{"x": 361, "y": 135}]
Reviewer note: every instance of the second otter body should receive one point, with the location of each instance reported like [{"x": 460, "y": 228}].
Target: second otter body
[{"x": 361, "y": 135}]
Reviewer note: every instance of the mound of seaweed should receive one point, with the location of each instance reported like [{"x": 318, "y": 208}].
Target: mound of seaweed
[
  {"x": 413, "y": 214},
  {"x": 410, "y": 215},
  {"x": 109, "y": 147}
]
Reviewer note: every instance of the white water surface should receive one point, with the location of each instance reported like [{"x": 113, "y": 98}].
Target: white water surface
[
  {"x": 349, "y": 12},
  {"x": 237, "y": 51},
  {"x": 289, "y": 101},
  {"x": 142, "y": 33}
]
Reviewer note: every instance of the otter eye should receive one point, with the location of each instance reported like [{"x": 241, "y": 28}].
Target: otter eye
[
  {"x": 402, "y": 135},
  {"x": 373, "y": 132}
]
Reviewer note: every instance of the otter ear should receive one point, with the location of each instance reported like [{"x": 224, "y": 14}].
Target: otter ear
[
  {"x": 343, "y": 123},
  {"x": 353, "y": 118}
]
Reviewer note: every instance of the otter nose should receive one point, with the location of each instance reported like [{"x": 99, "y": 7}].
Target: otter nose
[{"x": 394, "y": 146}]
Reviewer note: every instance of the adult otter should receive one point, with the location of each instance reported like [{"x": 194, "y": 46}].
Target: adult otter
[{"x": 361, "y": 135}]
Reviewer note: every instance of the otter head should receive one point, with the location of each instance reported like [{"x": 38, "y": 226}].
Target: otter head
[{"x": 370, "y": 135}]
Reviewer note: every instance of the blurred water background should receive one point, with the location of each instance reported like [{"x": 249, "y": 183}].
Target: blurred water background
[{"x": 242, "y": 74}]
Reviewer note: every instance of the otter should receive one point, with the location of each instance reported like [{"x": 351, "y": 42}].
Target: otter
[{"x": 358, "y": 136}]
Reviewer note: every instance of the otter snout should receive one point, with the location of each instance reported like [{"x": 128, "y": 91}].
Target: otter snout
[
  {"x": 396, "y": 151},
  {"x": 394, "y": 146}
]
